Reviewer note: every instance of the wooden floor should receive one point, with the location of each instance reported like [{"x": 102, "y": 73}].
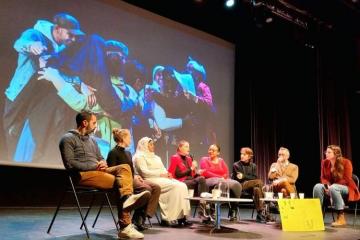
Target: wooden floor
[{"x": 32, "y": 223}]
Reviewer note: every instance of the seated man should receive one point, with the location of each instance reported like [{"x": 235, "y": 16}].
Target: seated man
[
  {"x": 81, "y": 157},
  {"x": 244, "y": 171},
  {"x": 283, "y": 173}
]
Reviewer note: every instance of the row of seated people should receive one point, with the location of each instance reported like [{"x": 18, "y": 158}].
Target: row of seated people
[{"x": 142, "y": 182}]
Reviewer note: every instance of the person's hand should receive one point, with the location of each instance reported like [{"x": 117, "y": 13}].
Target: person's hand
[
  {"x": 43, "y": 60},
  {"x": 194, "y": 165},
  {"x": 164, "y": 175},
  {"x": 239, "y": 175},
  {"x": 101, "y": 165},
  {"x": 50, "y": 74},
  {"x": 273, "y": 170},
  {"x": 139, "y": 178},
  {"x": 37, "y": 48},
  {"x": 90, "y": 93}
]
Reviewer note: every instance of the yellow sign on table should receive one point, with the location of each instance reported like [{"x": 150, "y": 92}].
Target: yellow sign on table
[{"x": 301, "y": 214}]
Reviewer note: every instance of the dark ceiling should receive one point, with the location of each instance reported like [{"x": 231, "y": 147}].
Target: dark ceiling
[{"x": 213, "y": 17}]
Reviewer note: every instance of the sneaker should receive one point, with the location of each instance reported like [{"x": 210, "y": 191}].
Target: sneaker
[
  {"x": 130, "y": 232},
  {"x": 132, "y": 199}
]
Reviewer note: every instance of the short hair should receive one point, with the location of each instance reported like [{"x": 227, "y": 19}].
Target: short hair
[
  {"x": 114, "y": 45},
  {"x": 119, "y": 134},
  {"x": 68, "y": 22},
  {"x": 182, "y": 143},
  {"x": 248, "y": 151},
  {"x": 216, "y": 145},
  {"x": 285, "y": 150},
  {"x": 83, "y": 115}
]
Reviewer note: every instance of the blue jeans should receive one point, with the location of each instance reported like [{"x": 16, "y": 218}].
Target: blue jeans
[{"x": 337, "y": 193}]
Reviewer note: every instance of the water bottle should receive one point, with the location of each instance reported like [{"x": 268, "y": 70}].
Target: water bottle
[{"x": 224, "y": 188}]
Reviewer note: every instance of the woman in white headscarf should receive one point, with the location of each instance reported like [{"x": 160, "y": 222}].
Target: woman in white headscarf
[{"x": 172, "y": 200}]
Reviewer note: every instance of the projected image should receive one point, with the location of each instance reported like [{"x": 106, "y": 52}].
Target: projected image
[{"x": 61, "y": 69}]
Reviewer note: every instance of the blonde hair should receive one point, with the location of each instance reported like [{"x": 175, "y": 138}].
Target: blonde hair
[
  {"x": 182, "y": 143},
  {"x": 119, "y": 134}
]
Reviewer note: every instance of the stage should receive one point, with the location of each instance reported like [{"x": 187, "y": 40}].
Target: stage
[{"x": 32, "y": 223}]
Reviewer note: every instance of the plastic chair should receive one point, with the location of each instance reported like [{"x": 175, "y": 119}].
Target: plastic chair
[{"x": 77, "y": 190}]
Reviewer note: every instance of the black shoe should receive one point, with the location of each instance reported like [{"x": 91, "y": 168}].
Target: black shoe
[
  {"x": 233, "y": 215},
  {"x": 270, "y": 219},
  {"x": 184, "y": 223},
  {"x": 141, "y": 227},
  {"x": 165, "y": 223},
  {"x": 260, "y": 218}
]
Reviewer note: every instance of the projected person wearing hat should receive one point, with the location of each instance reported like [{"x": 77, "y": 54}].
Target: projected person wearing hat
[{"x": 34, "y": 47}]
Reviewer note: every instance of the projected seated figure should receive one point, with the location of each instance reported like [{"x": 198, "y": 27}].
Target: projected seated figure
[
  {"x": 34, "y": 46},
  {"x": 283, "y": 174},
  {"x": 82, "y": 158},
  {"x": 215, "y": 170},
  {"x": 174, "y": 207},
  {"x": 76, "y": 94},
  {"x": 184, "y": 168}
]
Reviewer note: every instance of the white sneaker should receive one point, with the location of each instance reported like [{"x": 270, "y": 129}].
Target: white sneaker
[
  {"x": 130, "y": 232},
  {"x": 132, "y": 199}
]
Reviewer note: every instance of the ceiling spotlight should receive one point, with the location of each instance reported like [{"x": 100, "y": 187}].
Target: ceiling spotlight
[{"x": 229, "y": 3}]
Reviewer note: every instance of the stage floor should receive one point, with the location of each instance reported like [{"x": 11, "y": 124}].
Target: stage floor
[{"x": 32, "y": 223}]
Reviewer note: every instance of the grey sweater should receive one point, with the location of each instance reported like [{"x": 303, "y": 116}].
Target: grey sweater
[{"x": 79, "y": 153}]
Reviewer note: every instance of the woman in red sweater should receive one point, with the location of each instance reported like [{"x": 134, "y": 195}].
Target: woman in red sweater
[
  {"x": 183, "y": 168},
  {"x": 336, "y": 182},
  {"x": 215, "y": 170}
]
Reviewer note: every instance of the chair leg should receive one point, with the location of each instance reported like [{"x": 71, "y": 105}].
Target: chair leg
[
  {"x": 111, "y": 211},
  {"x": 195, "y": 210},
  {"x": 148, "y": 218},
  {"x": 88, "y": 210},
  {"x": 97, "y": 215},
  {"x": 354, "y": 220},
  {"x": 80, "y": 212},
  {"x": 56, "y": 211},
  {"x": 157, "y": 218},
  {"x": 252, "y": 214}
]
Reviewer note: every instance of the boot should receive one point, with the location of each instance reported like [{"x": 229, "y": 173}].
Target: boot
[
  {"x": 233, "y": 214},
  {"x": 340, "y": 221}
]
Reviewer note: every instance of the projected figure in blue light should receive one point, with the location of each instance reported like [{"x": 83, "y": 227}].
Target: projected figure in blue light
[
  {"x": 204, "y": 107},
  {"x": 111, "y": 68},
  {"x": 34, "y": 47}
]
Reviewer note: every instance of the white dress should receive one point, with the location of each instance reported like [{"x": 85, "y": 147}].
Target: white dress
[{"x": 172, "y": 200}]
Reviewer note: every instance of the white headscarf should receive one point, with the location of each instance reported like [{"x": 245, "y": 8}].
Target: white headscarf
[{"x": 142, "y": 148}]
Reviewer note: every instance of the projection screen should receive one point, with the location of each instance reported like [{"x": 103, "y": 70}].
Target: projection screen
[{"x": 133, "y": 68}]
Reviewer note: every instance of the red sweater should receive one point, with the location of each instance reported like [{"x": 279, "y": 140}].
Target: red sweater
[
  {"x": 326, "y": 178},
  {"x": 214, "y": 170},
  {"x": 177, "y": 162}
]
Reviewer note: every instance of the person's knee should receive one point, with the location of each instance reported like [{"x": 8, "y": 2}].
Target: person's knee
[{"x": 156, "y": 188}]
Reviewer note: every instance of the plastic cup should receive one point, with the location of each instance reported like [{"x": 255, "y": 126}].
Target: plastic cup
[
  {"x": 301, "y": 195},
  {"x": 191, "y": 193}
]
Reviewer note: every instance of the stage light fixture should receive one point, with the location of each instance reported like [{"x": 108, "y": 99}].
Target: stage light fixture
[{"x": 229, "y": 3}]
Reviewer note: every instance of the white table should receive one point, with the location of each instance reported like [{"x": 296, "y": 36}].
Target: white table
[{"x": 217, "y": 202}]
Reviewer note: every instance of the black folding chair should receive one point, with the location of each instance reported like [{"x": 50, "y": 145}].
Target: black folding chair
[
  {"x": 76, "y": 190},
  {"x": 328, "y": 205}
]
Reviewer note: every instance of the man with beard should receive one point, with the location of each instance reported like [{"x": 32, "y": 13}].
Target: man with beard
[
  {"x": 34, "y": 46},
  {"x": 81, "y": 157}
]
